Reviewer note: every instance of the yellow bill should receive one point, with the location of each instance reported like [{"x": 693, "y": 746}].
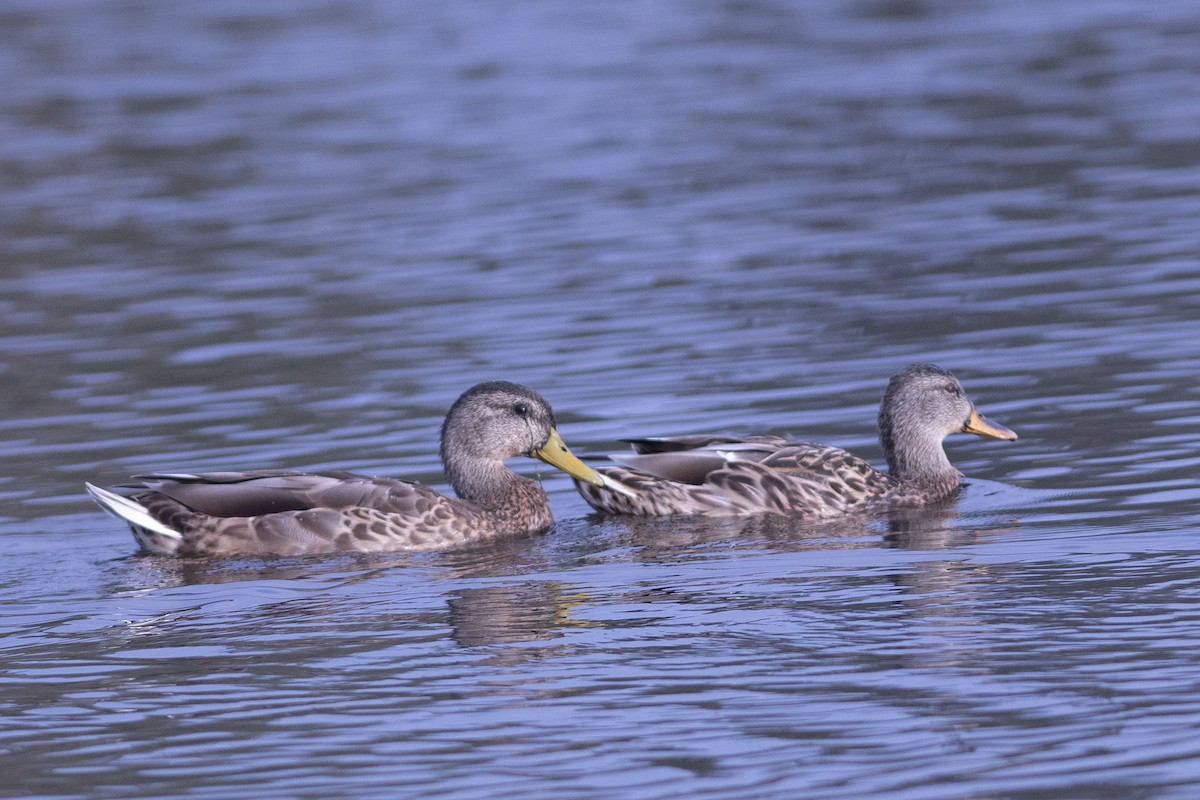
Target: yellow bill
[
  {"x": 980, "y": 425},
  {"x": 555, "y": 453}
]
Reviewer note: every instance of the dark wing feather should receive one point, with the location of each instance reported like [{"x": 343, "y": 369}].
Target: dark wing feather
[
  {"x": 672, "y": 444},
  {"x": 253, "y": 494},
  {"x": 681, "y": 466},
  {"x": 691, "y": 459}
]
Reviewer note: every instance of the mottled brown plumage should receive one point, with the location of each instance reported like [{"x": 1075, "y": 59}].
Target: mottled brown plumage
[
  {"x": 725, "y": 475},
  {"x": 290, "y": 513}
]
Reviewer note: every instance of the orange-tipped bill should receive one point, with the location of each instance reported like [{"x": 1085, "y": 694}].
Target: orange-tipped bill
[
  {"x": 980, "y": 425},
  {"x": 555, "y": 453}
]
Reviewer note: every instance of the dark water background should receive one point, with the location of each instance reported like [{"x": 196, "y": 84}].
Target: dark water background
[{"x": 289, "y": 234}]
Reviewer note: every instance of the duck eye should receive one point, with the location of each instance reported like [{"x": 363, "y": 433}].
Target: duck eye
[
  {"x": 951, "y": 388},
  {"x": 522, "y": 409}
]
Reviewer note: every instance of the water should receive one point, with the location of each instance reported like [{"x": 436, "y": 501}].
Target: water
[{"x": 289, "y": 236}]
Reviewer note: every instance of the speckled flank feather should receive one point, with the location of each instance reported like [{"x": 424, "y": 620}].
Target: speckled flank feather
[
  {"x": 291, "y": 513},
  {"x": 799, "y": 479},
  {"x": 724, "y": 475}
]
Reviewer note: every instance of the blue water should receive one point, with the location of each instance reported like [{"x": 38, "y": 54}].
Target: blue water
[{"x": 290, "y": 235}]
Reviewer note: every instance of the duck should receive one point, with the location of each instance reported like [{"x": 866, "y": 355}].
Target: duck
[
  {"x": 281, "y": 512},
  {"x": 757, "y": 474}
]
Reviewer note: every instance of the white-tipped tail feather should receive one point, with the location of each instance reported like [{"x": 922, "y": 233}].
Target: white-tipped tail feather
[{"x": 146, "y": 528}]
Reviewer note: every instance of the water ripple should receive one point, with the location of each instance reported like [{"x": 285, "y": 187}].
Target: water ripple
[{"x": 289, "y": 237}]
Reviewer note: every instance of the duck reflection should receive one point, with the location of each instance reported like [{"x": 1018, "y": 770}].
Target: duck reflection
[
  {"x": 525, "y": 612},
  {"x": 323, "y": 593},
  {"x": 929, "y": 527},
  {"x": 656, "y": 538},
  {"x": 940, "y": 527}
]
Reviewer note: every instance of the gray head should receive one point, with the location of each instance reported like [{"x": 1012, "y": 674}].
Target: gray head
[
  {"x": 494, "y": 421},
  {"x": 923, "y": 404}
]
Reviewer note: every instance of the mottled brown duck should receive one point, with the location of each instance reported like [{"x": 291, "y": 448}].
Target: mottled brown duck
[
  {"x": 290, "y": 513},
  {"x": 726, "y": 475}
]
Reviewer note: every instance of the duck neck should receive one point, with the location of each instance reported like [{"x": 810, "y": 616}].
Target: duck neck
[
  {"x": 914, "y": 455},
  {"x": 510, "y": 500},
  {"x": 481, "y": 483}
]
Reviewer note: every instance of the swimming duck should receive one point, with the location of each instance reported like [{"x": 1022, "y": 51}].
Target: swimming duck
[
  {"x": 725, "y": 475},
  {"x": 290, "y": 513}
]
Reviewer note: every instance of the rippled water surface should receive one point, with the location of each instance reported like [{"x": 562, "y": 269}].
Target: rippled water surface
[{"x": 289, "y": 234}]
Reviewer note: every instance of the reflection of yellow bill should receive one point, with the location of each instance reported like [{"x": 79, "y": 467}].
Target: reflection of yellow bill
[
  {"x": 555, "y": 453},
  {"x": 980, "y": 425}
]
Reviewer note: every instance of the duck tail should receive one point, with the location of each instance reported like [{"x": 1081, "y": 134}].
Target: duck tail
[{"x": 152, "y": 535}]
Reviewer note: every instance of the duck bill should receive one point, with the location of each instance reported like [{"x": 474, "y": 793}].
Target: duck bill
[
  {"x": 980, "y": 425},
  {"x": 555, "y": 453}
]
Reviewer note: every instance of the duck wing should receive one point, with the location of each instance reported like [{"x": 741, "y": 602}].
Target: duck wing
[
  {"x": 288, "y": 513},
  {"x": 674, "y": 444},
  {"x": 252, "y": 494},
  {"x": 691, "y": 459}
]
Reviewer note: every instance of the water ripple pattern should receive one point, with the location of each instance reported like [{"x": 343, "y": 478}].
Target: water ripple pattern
[{"x": 290, "y": 234}]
